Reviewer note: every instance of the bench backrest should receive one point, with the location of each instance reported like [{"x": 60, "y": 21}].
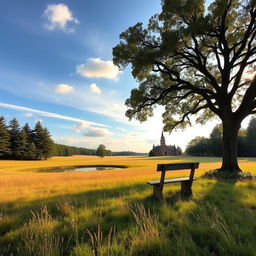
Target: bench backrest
[{"x": 177, "y": 166}]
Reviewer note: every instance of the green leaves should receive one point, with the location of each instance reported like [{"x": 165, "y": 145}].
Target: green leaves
[{"x": 191, "y": 61}]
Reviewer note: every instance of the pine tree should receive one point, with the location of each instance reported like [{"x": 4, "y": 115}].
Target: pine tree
[
  {"x": 47, "y": 143},
  {"x": 30, "y": 151},
  {"x": 29, "y": 132},
  {"x": 38, "y": 140},
  {"x": 4, "y": 138},
  {"x": 23, "y": 147},
  {"x": 15, "y": 138},
  {"x": 42, "y": 141}
]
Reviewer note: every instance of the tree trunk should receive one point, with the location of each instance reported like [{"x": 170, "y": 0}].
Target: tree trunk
[{"x": 229, "y": 146}]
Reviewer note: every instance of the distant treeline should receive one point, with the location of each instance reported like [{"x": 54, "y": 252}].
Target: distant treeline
[
  {"x": 246, "y": 142},
  {"x": 128, "y": 153},
  {"x": 64, "y": 150},
  {"x": 24, "y": 143}
]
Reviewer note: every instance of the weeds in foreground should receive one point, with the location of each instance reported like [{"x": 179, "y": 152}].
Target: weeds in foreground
[
  {"x": 96, "y": 239},
  {"x": 38, "y": 239},
  {"x": 218, "y": 220},
  {"x": 65, "y": 206},
  {"x": 146, "y": 221}
]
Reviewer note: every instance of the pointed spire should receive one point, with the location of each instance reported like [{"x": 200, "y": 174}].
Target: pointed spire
[{"x": 162, "y": 141}]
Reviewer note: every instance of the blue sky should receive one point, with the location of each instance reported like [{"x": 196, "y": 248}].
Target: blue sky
[{"x": 56, "y": 66}]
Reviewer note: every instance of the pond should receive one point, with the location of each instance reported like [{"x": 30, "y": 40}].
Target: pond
[
  {"x": 82, "y": 168},
  {"x": 92, "y": 168}
]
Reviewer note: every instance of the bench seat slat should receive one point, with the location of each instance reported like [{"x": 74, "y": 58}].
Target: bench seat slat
[{"x": 157, "y": 182}]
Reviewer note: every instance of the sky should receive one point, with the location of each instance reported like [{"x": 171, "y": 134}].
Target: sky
[{"x": 56, "y": 66}]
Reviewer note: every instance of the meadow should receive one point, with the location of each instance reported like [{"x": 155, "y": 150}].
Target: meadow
[{"x": 47, "y": 212}]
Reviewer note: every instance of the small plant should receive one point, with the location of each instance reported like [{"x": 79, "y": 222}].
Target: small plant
[
  {"x": 74, "y": 227},
  {"x": 38, "y": 239},
  {"x": 65, "y": 206},
  {"x": 96, "y": 239},
  {"x": 146, "y": 221}
]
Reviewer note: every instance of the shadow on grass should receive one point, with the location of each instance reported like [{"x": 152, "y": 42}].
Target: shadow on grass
[
  {"x": 220, "y": 221},
  {"x": 214, "y": 221}
]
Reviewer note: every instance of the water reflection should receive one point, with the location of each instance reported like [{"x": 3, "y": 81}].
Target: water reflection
[{"x": 90, "y": 169}]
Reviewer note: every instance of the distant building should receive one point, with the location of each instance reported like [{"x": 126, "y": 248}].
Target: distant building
[{"x": 164, "y": 150}]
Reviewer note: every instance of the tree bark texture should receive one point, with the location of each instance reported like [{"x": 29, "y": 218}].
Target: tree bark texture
[{"x": 229, "y": 143}]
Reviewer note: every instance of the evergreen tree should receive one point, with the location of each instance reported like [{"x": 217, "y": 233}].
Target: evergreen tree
[
  {"x": 47, "y": 143},
  {"x": 30, "y": 151},
  {"x": 4, "y": 138},
  {"x": 38, "y": 140},
  {"x": 251, "y": 138},
  {"x": 29, "y": 132},
  {"x": 15, "y": 139},
  {"x": 23, "y": 147}
]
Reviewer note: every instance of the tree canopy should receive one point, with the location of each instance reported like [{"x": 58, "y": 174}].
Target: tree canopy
[
  {"x": 102, "y": 151},
  {"x": 194, "y": 61}
]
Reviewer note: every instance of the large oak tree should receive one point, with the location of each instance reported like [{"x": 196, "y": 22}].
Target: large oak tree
[{"x": 194, "y": 61}]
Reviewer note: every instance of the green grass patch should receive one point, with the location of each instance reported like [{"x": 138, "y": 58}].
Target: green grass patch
[
  {"x": 76, "y": 214},
  {"x": 218, "y": 220}
]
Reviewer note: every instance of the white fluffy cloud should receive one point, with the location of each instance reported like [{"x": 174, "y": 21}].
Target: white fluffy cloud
[
  {"x": 63, "y": 88},
  {"x": 58, "y": 16},
  {"x": 81, "y": 126},
  {"x": 95, "y": 89},
  {"x": 97, "y": 132},
  {"x": 95, "y": 67}
]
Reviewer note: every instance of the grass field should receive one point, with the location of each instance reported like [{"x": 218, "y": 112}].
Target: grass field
[{"x": 46, "y": 212}]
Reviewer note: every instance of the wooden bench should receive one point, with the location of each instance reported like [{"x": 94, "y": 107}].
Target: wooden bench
[{"x": 186, "y": 182}]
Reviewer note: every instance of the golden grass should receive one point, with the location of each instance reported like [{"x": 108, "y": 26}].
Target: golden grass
[
  {"x": 22, "y": 180},
  {"x": 82, "y": 201}
]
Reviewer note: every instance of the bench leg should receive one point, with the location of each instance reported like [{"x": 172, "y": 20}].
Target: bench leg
[
  {"x": 158, "y": 192},
  {"x": 186, "y": 188}
]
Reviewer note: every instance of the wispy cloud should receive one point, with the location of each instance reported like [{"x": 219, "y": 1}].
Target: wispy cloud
[
  {"x": 95, "y": 67},
  {"x": 59, "y": 16},
  {"x": 135, "y": 134},
  {"x": 63, "y": 88},
  {"x": 49, "y": 114},
  {"x": 28, "y": 114},
  {"x": 95, "y": 89},
  {"x": 114, "y": 106}
]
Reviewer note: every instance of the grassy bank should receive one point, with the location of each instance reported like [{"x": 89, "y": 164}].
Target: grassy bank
[{"x": 112, "y": 212}]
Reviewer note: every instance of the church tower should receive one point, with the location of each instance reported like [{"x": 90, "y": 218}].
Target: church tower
[{"x": 162, "y": 141}]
